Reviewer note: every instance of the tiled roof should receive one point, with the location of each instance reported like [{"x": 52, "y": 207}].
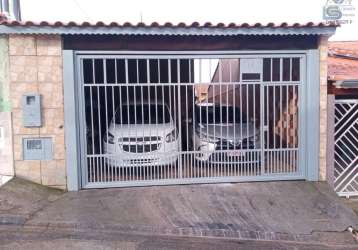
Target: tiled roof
[
  {"x": 343, "y": 60},
  {"x": 13, "y": 26},
  {"x": 167, "y": 24}
]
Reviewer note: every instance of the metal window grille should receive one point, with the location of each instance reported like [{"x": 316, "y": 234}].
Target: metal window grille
[{"x": 174, "y": 119}]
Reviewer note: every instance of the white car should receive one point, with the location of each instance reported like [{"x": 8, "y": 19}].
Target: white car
[{"x": 141, "y": 134}]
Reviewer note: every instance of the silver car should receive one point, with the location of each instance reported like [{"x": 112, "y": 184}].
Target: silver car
[{"x": 222, "y": 134}]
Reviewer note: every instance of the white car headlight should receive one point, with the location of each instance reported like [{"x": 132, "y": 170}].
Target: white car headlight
[
  {"x": 172, "y": 136},
  {"x": 108, "y": 139}
]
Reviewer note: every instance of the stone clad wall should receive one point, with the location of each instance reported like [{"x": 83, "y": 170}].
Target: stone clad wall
[
  {"x": 323, "y": 54},
  {"x": 36, "y": 67},
  {"x": 6, "y": 152}
]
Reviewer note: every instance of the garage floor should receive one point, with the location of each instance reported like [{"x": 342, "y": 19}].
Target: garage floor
[{"x": 298, "y": 211}]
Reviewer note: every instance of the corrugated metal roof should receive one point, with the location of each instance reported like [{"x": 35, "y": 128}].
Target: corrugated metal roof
[{"x": 195, "y": 28}]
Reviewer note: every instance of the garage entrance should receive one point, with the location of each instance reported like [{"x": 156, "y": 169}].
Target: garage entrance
[{"x": 159, "y": 119}]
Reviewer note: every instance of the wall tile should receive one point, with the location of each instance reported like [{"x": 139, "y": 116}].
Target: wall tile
[
  {"x": 28, "y": 170},
  {"x": 23, "y": 69},
  {"x": 53, "y": 173},
  {"x": 22, "y": 45},
  {"x": 53, "y": 122},
  {"x": 49, "y": 69},
  {"x": 49, "y": 45},
  {"x": 51, "y": 94},
  {"x": 17, "y": 147},
  {"x": 59, "y": 147}
]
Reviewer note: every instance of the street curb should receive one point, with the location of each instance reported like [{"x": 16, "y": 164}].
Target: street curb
[{"x": 338, "y": 238}]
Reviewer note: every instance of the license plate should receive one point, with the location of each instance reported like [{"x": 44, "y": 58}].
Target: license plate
[{"x": 236, "y": 154}]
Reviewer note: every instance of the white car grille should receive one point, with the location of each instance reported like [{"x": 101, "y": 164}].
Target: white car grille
[{"x": 140, "y": 144}]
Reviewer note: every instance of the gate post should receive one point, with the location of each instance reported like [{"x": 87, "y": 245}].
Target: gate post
[
  {"x": 330, "y": 139},
  {"x": 312, "y": 116},
  {"x": 72, "y": 156}
]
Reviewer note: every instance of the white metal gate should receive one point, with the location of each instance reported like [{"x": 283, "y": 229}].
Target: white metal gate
[
  {"x": 346, "y": 147},
  {"x": 158, "y": 119}
]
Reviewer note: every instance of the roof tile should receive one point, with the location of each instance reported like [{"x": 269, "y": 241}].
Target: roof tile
[{"x": 4, "y": 21}]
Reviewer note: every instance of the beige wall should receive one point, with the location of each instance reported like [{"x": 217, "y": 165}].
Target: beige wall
[
  {"x": 6, "y": 150},
  {"x": 323, "y": 53},
  {"x": 36, "y": 67}
]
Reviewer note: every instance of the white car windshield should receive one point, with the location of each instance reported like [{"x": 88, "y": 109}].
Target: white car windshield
[{"x": 142, "y": 114}]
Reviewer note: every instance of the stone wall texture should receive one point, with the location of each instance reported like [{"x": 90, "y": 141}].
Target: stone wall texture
[
  {"x": 323, "y": 54},
  {"x": 4, "y": 74},
  {"x": 6, "y": 150},
  {"x": 36, "y": 67}
]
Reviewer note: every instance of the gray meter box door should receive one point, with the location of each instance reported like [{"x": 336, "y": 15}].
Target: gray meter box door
[
  {"x": 37, "y": 148},
  {"x": 31, "y": 106}
]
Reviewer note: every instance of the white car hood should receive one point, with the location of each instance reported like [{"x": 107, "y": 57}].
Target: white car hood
[
  {"x": 228, "y": 131},
  {"x": 140, "y": 130}
]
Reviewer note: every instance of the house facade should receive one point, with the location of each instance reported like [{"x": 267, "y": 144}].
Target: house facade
[{"x": 63, "y": 84}]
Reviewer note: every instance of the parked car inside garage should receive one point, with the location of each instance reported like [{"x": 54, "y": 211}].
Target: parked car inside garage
[
  {"x": 221, "y": 128},
  {"x": 142, "y": 134}
]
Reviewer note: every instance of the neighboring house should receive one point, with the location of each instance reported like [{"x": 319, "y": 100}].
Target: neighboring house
[
  {"x": 343, "y": 113},
  {"x": 68, "y": 80},
  {"x": 343, "y": 61}
]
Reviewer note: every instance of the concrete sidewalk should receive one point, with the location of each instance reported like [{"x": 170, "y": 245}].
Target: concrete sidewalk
[{"x": 284, "y": 211}]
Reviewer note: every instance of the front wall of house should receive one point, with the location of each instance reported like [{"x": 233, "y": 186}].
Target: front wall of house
[
  {"x": 36, "y": 67},
  {"x": 6, "y": 153}
]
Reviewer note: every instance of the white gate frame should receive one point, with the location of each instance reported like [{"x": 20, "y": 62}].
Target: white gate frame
[{"x": 309, "y": 108}]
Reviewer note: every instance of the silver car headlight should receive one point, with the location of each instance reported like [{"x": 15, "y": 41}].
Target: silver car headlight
[{"x": 204, "y": 137}]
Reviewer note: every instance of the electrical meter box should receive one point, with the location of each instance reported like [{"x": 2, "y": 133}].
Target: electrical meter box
[
  {"x": 37, "y": 148},
  {"x": 31, "y": 110}
]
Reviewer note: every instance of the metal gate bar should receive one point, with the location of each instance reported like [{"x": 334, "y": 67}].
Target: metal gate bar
[
  {"x": 346, "y": 147},
  {"x": 155, "y": 120}
]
